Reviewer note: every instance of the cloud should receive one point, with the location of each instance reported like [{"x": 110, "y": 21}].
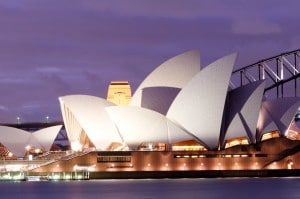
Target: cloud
[
  {"x": 254, "y": 26},
  {"x": 3, "y": 108},
  {"x": 33, "y": 105},
  {"x": 49, "y": 70},
  {"x": 167, "y": 9},
  {"x": 10, "y": 81}
]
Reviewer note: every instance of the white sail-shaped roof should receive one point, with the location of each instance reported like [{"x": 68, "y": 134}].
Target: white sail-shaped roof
[
  {"x": 277, "y": 114},
  {"x": 244, "y": 106},
  {"x": 15, "y": 140},
  {"x": 177, "y": 133},
  {"x": 199, "y": 105},
  {"x": 83, "y": 113},
  {"x": 175, "y": 72},
  {"x": 137, "y": 125},
  {"x": 45, "y": 137}
]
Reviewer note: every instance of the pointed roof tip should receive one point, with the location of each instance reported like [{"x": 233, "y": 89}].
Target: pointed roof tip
[
  {"x": 254, "y": 84},
  {"x": 194, "y": 52},
  {"x": 234, "y": 53},
  {"x": 261, "y": 82},
  {"x": 233, "y": 56}
]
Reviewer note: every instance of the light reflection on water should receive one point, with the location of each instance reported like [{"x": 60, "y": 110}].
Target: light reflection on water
[{"x": 244, "y": 188}]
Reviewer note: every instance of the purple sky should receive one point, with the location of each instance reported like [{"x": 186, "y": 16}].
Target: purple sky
[{"x": 50, "y": 48}]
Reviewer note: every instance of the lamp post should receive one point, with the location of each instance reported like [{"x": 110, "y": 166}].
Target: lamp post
[
  {"x": 47, "y": 119},
  {"x": 18, "y": 120}
]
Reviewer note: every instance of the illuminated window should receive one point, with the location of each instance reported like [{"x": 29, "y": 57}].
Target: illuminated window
[
  {"x": 189, "y": 145},
  {"x": 270, "y": 135},
  {"x": 237, "y": 141},
  {"x": 151, "y": 146}
]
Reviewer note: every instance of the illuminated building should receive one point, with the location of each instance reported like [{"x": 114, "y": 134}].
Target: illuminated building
[
  {"x": 119, "y": 92},
  {"x": 197, "y": 106},
  {"x": 181, "y": 118}
]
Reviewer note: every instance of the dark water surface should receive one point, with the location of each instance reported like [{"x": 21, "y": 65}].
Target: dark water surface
[{"x": 244, "y": 188}]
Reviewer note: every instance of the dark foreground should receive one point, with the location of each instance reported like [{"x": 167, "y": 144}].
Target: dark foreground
[
  {"x": 212, "y": 188},
  {"x": 195, "y": 174}
]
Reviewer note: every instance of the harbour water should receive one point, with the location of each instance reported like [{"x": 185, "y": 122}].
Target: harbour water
[{"x": 214, "y": 188}]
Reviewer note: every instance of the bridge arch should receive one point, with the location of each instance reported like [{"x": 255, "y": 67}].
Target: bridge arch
[{"x": 279, "y": 71}]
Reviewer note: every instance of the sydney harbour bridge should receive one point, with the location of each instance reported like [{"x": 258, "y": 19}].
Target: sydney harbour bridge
[{"x": 280, "y": 72}]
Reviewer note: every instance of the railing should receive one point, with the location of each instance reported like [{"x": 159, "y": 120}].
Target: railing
[{"x": 76, "y": 154}]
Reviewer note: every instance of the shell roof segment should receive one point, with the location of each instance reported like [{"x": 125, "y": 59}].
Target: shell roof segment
[
  {"x": 175, "y": 72},
  {"x": 137, "y": 125},
  {"x": 242, "y": 111},
  {"x": 83, "y": 113},
  {"x": 199, "y": 105},
  {"x": 16, "y": 140}
]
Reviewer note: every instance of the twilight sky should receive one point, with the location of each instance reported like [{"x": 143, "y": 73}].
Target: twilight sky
[{"x": 51, "y": 48}]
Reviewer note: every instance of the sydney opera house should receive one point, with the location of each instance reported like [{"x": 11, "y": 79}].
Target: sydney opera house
[{"x": 182, "y": 118}]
